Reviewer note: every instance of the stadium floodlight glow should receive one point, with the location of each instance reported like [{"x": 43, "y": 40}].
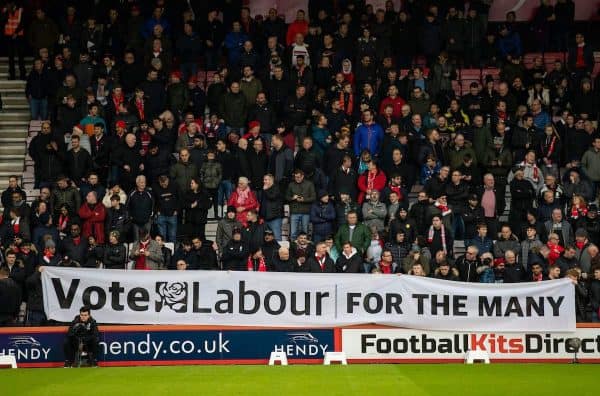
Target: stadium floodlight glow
[{"x": 573, "y": 345}]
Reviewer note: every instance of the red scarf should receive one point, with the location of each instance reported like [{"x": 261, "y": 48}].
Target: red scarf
[
  {"x": 262, "y": 267},
  {"x": 48, "y": 255},
  {"x": 398, "y": 191},
  {"x": 371, "y": 180},
  {"x": 117, "y": 100},
  {"x": 443, "y": 235},
  {"x": 139, "y": 104},
  {"x": 580, "y": 245},
  {"x": 551, "y": 149},
  {"x": 321, "y": 261},
  {"x": 15, "y": 226},
  {"x": 62, "y": 222},
  {"x": 538, "y": 278},
  {"x": 577, "y": 211},
  {"x": 140, "y": 261},
  {"x": 77, "y": 241},
  {"x": 347, "y": 105}
]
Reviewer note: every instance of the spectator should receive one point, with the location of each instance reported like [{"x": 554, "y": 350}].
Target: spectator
[
  {"x": 146, "y": 252},
  {"x": 115, "y": 256},
  {"x": 300, "y": 195},
  {"x": 243, "y": 199}
]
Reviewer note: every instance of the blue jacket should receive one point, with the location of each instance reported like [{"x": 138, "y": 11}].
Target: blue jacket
[
  {"x": 510, "y": 45},
  {"x": 540, "y": 121},
  {"x": 150, "y": 23},
  {"x": 368, "y": 137},
  {"x": 484, "y": 245},
  {"x": 319, "y": 136},
  {"x": 234, "y": 42}
]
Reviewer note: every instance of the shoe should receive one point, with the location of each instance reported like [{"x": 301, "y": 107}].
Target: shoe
[
  {"x": 94, "y": 363},
  {"x": 67, "y": 364}
]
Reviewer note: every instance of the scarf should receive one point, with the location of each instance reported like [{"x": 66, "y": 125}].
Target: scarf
[
  {"x": 15, "y": 225},
  {"x": 538, "y": 278},
  {"x": 140, "y": 261},
  {"x": 580, "y": 245},
  {"x": 444, "y": 208},
  {"x": 371, "y": 180},
  {"x": 117, "y": 100},
  {"x": 576, "y": 211},
  {"x": 398, "y": 191},
  {"x": 262, "y": 267},
  {"x": 443, "y": 235},
  {"x": 550, "y": 148},
  {"x": 48, "y": 255},
  {"x": 347, "y": 104},
  {"x": 139, "y": 105},
  {"x": 242, "y": 196},
  {"x": 321, "y": 261},
  {"x": 62, "y": 222}
]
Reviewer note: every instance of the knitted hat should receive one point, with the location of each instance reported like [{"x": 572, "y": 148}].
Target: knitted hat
[
  {"x": 121, "y": 124},
  {"x": 253, "y": 124},
  {"x": 231, "y": 209}
]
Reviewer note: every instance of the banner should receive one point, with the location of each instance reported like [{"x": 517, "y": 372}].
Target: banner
[
  {"x": 165, "y": 345},
  {"x": 405, "y": 345},
  {"x": 300, "y": 300}
]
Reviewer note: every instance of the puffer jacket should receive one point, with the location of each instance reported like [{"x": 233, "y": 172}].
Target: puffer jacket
[{"x": 211, "y": 173}]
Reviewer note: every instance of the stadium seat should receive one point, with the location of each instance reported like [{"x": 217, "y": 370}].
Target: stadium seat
[
  {"x": 529, "y": 57},
  {"x": 551, "y": 57},
  {"x": 404, "y": 72},
  {"x": 491, "y": 71}
]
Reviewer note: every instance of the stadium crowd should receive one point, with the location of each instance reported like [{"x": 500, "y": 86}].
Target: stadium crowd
[{"x": 155, "y": 115}]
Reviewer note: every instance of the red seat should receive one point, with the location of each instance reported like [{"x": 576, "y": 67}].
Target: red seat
[
  {"x": 491, "y": 71},
  {"x": 528, "y": 59},
  {"x": 420, "y": 60},
  {"x": 551, "y": 57}
]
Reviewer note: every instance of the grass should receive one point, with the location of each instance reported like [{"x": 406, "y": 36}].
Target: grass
[{"x": 364, "y": 380}]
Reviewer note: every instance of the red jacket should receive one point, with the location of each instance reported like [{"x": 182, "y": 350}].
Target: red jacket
[
  {"x": 93, "y": 221},
  {"x": 295, "y": 28},
  {"x": 397, "y": 103},
  {"x": 363, "y": 185},
  {"x": 248, "y": 204}
]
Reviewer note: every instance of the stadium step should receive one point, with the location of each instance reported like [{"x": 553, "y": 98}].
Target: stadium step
[
  {"x": 22, "y": 116},
  {"x": 12, "y": 84}
]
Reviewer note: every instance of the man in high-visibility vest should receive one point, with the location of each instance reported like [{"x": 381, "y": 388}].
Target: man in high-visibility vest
[{"x": 12, "y": 18}]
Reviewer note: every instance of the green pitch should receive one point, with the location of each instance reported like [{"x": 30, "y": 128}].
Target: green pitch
[{"x": 363, "y": 380}]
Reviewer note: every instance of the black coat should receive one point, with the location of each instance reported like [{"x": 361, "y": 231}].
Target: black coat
[
  {"x": 271, "y": 204},
  {"x": 48, "y": 162},
  {"x": 253, "y": 235},
  {"x": 315, "y": 267},
  {"x": 234, "y": 256},
  {"x": 115, "y": 256},
  {"x": 257, "y": 167},
  {"x": 344, "y": 182},
  {"x": 197, "y": 215},
  {"x": 350, "y": 265}
]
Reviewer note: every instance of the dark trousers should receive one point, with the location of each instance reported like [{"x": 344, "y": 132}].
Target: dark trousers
[
  {"x": 71, "y": 346},
  {"x": 15, "y": 47},
  {"x": 492, "y": 226}
]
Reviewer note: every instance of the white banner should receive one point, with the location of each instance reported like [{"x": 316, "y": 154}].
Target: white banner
[
  {"x": 286, "y": 299},
  {"x": 387, "y": 344}
]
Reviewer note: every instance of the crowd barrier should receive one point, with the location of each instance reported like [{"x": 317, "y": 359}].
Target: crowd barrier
[{"x": 183, "y": 345}]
